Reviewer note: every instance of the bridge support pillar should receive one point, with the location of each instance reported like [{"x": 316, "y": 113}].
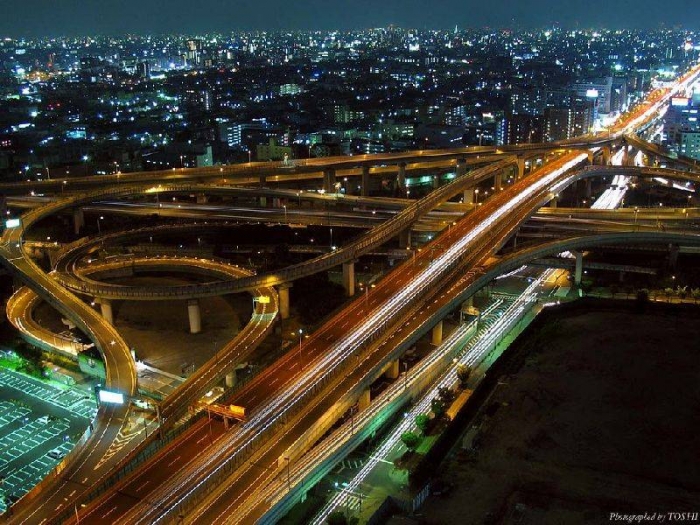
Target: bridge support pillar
[
  {"x": 405, "y": 238},
  {"x": 276, "y": 202},
  {"x": 553, "y": 203},
  {"x": 392, "y": 372},
  {"x": 262, "y": 181},
  {"x": 436, "y": 181},
  {"x": 498, "y": 182},
  {"x": 606, "y": 155},
  {"x": 578, "y": 271},
  {"x": 365, "y": 400},
  {"x": 202, "y": 198},
  {"x": 195, "y": 315},
  {"x": 329, "y": 180},
  {"x": 589, "y": 188},
  {"x": 401, "y": 177},
  {"x": 364, "y": 190},
  {"x": 591, "y": 157},
  {"x": 521, "y": 167},
  {"x": 461, "y": 168},
  {"x": 673, "y": 256},
  {"x": 349, "y": 278},
  {"x": 283, "y": 291},
  {"x": 437, "y": 334},
  {"x": 231, "y": 379},
  {"x": 78, "y": 220},
  {"x": 468, "y": 196},
  {"x": 106, "y": 310},
  {"x": 263, "y": 202}
]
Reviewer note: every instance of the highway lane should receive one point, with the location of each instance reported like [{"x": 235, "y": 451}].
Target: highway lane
[
  {"x": 91, "y": 462},
  {"x": 245, "y": 485},
  {"x": 348, "y": 320},
  {"x": 588, "y": 142}
]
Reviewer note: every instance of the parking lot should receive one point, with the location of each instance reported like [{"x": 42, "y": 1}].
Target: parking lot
[{"x": 39, "y": 425}]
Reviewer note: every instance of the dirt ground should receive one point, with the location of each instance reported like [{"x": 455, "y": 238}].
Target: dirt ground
[
  {"x": 159, "y": 330},
  {"x": 602, "y": 417}
]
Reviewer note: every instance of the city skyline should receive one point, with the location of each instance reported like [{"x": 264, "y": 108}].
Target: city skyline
[{"x": 41, "y": 18}]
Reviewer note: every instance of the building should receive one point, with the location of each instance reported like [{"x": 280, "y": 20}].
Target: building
[
  {"x": 562, "y": 123},
  {"x": 599, "y": 89},
  {"x": 689, "y": 144},
  {"x": 520, "y": 129},
  {"x": 272, "y": 151}
]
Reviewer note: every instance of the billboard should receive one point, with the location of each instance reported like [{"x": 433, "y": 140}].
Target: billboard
[
  {"x": 680, "y": 101},
  {"x": 114, "y": 398},
  {"x": 13, "y": 223}
]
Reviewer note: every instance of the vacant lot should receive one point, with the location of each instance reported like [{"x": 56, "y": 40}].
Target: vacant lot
[{"x": 596, "y": 412}]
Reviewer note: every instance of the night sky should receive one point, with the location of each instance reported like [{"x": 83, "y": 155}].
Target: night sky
[{"x": 89, "y": 17}]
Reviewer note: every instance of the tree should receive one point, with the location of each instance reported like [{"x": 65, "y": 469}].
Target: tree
[
  {"x": 695, "y": 294},
  {"x": 445, "y": 394},
  {"x": 423, "y": 422},
  {"x": 411, "y": 440},
  {"x": 669, "y": 293},
  {"x": 464, "y": 372},
  {"x": 682, "y": 291},
  {"x": 437, "y": 406},
  {"x": 336, "y": 518}
]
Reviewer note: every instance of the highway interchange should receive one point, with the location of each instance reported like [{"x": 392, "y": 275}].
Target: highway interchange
[{"x": 288, "y": 397}]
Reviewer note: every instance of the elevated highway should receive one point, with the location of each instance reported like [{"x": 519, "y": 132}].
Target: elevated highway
[
  {"x": 444, "y": 264},
  {"x": 404, "y": 291}
]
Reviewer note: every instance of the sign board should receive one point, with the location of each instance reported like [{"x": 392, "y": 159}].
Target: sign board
[
  {"x": 237, "y": 412},
  {"x": 115, "y": 398},
  {"x": 13, "y": 223},
  {"x": 263, "y": 299},
  {"x": 591, "y": 93}
]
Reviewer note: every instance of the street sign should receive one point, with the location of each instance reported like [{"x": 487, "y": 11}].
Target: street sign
[
  {"x": 13, "y": 223},
  {"x": 115, "y": 398}
]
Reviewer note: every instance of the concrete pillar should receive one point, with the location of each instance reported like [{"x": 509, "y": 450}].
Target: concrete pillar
[
  {"x": 461, "y": 168},
  {"x": 591, "y": 157},
  {"x": 437, "y": 334},
  {"x": 283, "y": 291},
  {"x": 349, "y": 278},
  {"x": 401, "y": 177},
  {"x": 405, "y": 239},
  {"x": 468, "y": 197},
  {"x": 231, "y": 379},
  {"x": 498, "y": 181},
  {"x": 202, "y": 198},
  {"x": 606, "y": 155},
  {"x": 392, "y": 372},
  {"x": 673, "y": 256},
  {"x": 195, "y": 316},
  {"x": 106, "y": 309},
  {"x": 589, "y": 188},
  {"x": 553, "y": 203},
  {"x": 365, "y": 400},
  {"x": 262, "y": 181},
  {"x": 78, "y": 220},
  {"x": 578, "y": 272},
  {"x": 329, "y": 180},
  {"x": 365, "y": 181},
  {"x": 521, "y": 168},
  {"x": 263, "y": 202}
]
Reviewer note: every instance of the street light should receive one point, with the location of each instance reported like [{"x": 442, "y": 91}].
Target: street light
[
  {"x": 476, "y": 197},
  {"x": 99, "y": 230},
  {"x": 300, "y": 335},
  {"x": 285, "y": 213}
]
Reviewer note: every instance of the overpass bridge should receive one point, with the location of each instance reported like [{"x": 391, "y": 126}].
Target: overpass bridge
[{"x": 506, "y": 226}]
